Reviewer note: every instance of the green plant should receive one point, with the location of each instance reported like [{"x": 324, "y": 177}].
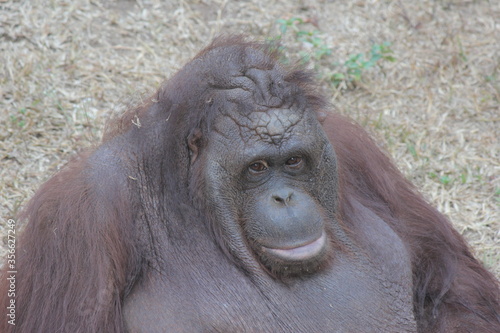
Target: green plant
[
  {"x": 412, "y": 150},
  {"x": 316, "y": 43},
  {"x": 310, "y": 39},
  {"x": 283, "y": 27},
  {"x": 358, "y": 63},
  {"x": 290, "y": 23},
  {"x": 19, "y": 118},
  {"x": 315, "y": 48},
  {"x": 464, "y": 177},
  {"x": 444, "y": 179}
]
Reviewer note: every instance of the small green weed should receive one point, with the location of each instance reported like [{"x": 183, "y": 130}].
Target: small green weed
[
  {"x": 315, "y": 49},
  {"x": 315, "y": 42},
  {"x": 357, "y": 64},
  {"x": 290, "y": 23},
  {"x": 18, "y": 119},
  {"x": 464, "y": 177},
  {"x": 444, "y": 179},
  {"x": 413, "y": 151},
  {"x": 311, "y": 40}
]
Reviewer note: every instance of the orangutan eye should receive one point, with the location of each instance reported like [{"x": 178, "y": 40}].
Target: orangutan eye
[
  {"x": 257, "y": 167},
  {"x": 294, "y": 162}
]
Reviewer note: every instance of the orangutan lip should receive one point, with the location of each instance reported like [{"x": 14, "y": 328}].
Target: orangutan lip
[{"x": 302, "y": 252}]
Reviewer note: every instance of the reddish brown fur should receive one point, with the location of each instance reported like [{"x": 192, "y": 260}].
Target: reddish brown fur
[
  {"x": 76, "y": 258},
  {"x": 453, "y": 292},
  {"x": 80, "y": 255}
]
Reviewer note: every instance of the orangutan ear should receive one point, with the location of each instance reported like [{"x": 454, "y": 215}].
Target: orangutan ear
[
  {"x": 194, "y": 144},
  {"x": 321, "y": 116}
]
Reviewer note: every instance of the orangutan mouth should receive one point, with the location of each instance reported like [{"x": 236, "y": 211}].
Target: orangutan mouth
[{"x": 299, "y": 253}]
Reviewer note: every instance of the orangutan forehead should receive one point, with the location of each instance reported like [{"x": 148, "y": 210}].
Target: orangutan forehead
[
  {"x": 260, "y": 101},
  {"x": 270, "y": 126},
  {"x": 274, "y": 125}
]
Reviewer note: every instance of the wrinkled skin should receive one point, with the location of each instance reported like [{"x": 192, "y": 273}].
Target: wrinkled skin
[
  {"x": 233, "y": 201},
  {"x": 268, "y": 177},
  {"x": 274, "y": 164}
]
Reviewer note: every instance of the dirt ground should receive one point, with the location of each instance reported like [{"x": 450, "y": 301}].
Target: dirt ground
[{"x": 426, "y": 85}]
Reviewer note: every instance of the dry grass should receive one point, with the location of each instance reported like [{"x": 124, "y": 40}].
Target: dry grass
[{"x": 65, "y": 65}]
